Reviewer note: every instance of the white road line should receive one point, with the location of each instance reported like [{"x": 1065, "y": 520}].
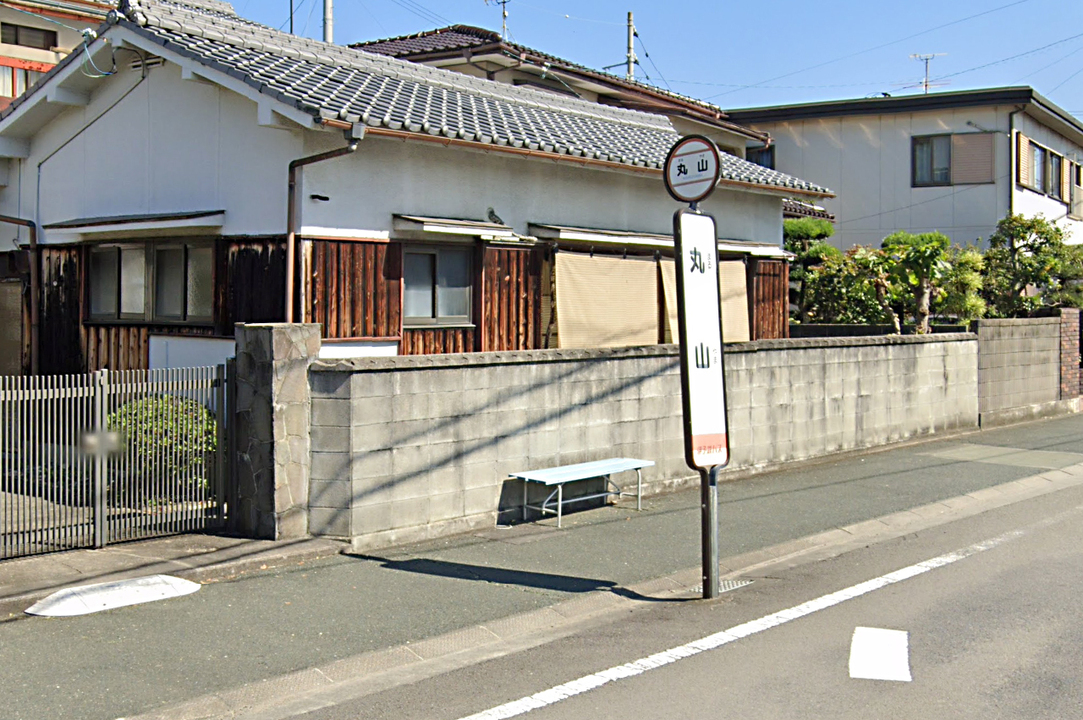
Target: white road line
[
  {"x": 666, "y": 657},
  {"x": 877, "y": 654}
]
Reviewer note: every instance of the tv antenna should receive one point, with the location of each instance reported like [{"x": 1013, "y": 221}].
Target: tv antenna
[
  {"x": 504, "y": 15},
  {"x": 927, "y": 59}
]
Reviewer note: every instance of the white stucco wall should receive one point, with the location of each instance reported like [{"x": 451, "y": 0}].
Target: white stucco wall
[
  {"x": 158, "y": 146},
  {"x": 385, "y": 177},
  {"x": 168, "y": 145},
  {"x": 866, "y": 161},
  {"x": 1028, "y": 202}
]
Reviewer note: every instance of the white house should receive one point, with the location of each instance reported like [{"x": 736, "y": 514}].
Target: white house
[
  {"x": 221, "y": 171},
  {"x": 955, "y": 162}
]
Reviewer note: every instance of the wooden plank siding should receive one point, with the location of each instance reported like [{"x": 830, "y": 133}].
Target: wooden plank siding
[
  {"x": 60, "y": 333},
  {"x": 511, "y": 299},
  {"x": 433, "y": 341},
  {"x": 249, "y": 282},
  {"x": 248, "y": 275},
  {"x": 769, "y": 287},
  {"x": 354, "y": 289}
]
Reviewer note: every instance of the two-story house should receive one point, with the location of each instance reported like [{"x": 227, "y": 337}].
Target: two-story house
[{"x": 956, "y": 162}]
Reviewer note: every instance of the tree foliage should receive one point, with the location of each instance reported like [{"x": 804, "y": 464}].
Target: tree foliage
[
  {"x": 1029, "y": 266},
  {"x": 804, "y": 237},
  {"x": 915, "y": 277}
]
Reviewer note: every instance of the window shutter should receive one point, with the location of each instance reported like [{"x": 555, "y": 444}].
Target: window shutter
[
  {"x": 972, "y": 158},
  {"x": 1022, "y": 160},
  {"x": 1065, "y": 180},
  {"x": 606, "y": 301}
]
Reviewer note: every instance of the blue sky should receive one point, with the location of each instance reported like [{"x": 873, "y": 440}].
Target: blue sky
[{"x": 748, "y": 54}]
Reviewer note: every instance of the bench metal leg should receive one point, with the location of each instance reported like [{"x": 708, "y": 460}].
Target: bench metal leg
[
  {"x": 560, "y": 503},
  {"x": 639, "y": 489},
  {"x": 526, "y": 486}
]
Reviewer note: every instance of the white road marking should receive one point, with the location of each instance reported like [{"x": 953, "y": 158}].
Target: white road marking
[
  {"x": 877, "y": 654},
  {"x": 666, "y": 657},
  {"x": 86, "y": 599}
]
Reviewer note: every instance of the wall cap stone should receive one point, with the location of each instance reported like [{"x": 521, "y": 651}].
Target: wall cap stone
[{"x": 522, "y": 357}]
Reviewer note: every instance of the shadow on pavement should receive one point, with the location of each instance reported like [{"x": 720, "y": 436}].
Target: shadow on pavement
[{"x": 504, "y": 576}]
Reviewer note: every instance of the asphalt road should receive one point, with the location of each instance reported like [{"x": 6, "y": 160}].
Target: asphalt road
[
  {"x": 139, "y": 659},
  {"x": 995, "y": 634}
]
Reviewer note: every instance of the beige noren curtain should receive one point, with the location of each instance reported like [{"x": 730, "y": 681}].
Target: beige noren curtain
[
  {"x": 734, "y": 300},
  {"x": 606, "y": 301}
]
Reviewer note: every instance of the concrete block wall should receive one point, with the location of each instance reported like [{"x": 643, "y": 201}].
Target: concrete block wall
[
  {"x": 408, "y": 448},
  {"x": 1019, "y": 363},
  {"x": 1069, "y": 353},
  {"x": 798, "y": 399}
]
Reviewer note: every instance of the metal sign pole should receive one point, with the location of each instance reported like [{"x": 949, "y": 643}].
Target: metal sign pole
[{"x": 708, "y": 497}]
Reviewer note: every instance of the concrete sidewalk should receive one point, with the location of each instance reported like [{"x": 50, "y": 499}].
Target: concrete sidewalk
[
  {"x": 209, "y": 558},
  {"x": 199, "y": 558},
  {"x": 301, "y": 619}
]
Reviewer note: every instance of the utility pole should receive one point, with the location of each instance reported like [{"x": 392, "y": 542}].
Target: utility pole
[
  {"x": 328, "y": 22},
  {"x": 630, "y": 71},
  {"x": 291, "y": 17},
  {"x": 925, "y": 84},
  {"x": 504, "y": 16}
]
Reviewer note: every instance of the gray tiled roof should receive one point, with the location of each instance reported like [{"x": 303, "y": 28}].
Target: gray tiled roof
[
  {"x": 457, "y": 37},
  {"x": 335, "y": 82}
]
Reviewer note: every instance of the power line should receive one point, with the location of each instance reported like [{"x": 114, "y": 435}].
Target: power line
[
  {"x": 1080, "y": 70},
  {"x": 648, "y": 56},
  {"x": 1046, "y": 67},
  {"x": 1013, "y": 57},
  {"x": 867, "y": 50},
  {"x": 917, "y": 204},
  {"x": 422, "y": 12}
]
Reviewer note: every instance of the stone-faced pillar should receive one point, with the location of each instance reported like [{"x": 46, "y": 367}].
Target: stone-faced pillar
[{"x": 273, "y": 418}]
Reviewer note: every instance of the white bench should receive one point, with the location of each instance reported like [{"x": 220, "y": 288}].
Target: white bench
[{"x": 581, "y": 471}]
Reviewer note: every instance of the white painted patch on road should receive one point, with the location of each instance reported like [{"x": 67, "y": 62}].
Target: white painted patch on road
[
  {"x": 87, "y": 599},
  {"x": 667, "y": 657},
  {"x": 878, "y": 654}
]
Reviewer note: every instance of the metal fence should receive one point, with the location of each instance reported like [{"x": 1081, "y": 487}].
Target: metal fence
[{"x": 87, "y": 460}]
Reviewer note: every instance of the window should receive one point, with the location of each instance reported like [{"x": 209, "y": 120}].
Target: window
[
  {"x": 1037, "y": 168},
  {"x": 1056, "y": 172},
  {"x": 15, "y": 81},
  {"x": 1075, "y": 206},
  {"x": 437, "y": 287},
  {"x": 931, "y": 164},
  {"x": 27, "y": 36},
  {"x": 764, "y": 156},
  {"x": 165, "y": 283}
]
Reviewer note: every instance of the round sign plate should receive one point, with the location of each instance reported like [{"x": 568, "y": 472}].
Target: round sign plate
[{"x": 692, "y": 169}]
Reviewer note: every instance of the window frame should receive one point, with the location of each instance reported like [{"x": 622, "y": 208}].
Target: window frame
[
  {"x": 436, "y": 320},
  {"x": 18, "y": 29},
  {"x": 766, "y": 153},
  {"x": 150, "y": 313},
  {"x": 915, "y": 141}
]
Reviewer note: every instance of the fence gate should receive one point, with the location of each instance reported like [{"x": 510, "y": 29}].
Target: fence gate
[{"x": 87, "y": 460}]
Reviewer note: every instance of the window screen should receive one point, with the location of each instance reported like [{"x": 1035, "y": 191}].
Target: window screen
[
  {"x": 103, "y": 282},
  {"x": 169, "y": 289},
  {"x": 133, "y": 279}
]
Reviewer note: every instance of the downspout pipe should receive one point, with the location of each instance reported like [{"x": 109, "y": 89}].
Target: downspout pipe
[
  {"x": 353, "y": 136},
  {"x": 35, "y": 288},
  {"x": 1013, "y": 159}
]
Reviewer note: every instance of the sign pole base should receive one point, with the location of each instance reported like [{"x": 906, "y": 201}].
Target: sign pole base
[{"x": 708, "y": 494}]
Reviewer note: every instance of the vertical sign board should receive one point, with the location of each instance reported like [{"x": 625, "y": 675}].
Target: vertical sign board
[
  {"x": 691, "y": 172},
  {"x": 706, "y": 442}
]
